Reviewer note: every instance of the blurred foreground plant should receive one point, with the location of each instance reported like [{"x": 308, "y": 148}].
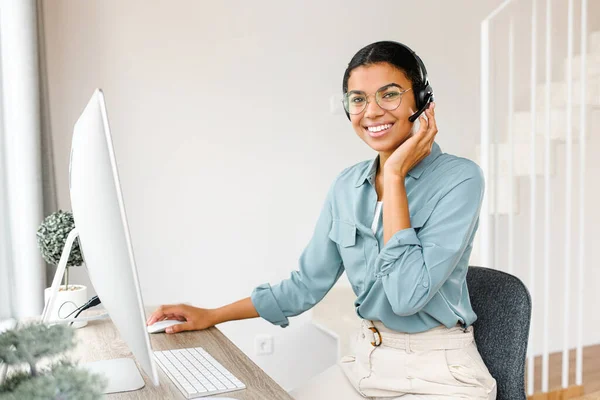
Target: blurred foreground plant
[{"x": 22, "y": 350}]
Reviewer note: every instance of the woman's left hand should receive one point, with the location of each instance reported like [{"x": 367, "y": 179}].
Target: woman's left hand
[{"x": 415, "y": 148}]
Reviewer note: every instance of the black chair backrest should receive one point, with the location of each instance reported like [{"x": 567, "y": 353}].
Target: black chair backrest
[{"x": 503, "y": 307}]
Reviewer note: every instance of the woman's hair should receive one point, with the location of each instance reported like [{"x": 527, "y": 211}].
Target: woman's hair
[{"x": 386, "y": 52}]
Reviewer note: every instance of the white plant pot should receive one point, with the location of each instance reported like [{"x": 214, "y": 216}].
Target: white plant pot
[{"x": 66, "y": 302}]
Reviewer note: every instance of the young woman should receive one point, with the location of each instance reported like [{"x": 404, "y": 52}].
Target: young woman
[{"x": 402, "y": 227}]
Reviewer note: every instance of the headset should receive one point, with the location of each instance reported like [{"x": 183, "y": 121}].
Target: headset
[{"x": 423, "y": 91}]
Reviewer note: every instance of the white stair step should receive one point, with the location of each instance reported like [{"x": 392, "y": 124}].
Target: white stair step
[
  {"x": 521, "y": 157},
  {"x": 501, "y": 204},
  {"x": 558, "y": 94},
  {"x": 592, "y": 67},
  {"x": 558, "y": 123}
]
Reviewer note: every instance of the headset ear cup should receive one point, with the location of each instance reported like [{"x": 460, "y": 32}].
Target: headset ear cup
[
  {"x": 428, "y": 93},
  {"x": 425, "y": 96},
  {"x": 419, "y": 101}
]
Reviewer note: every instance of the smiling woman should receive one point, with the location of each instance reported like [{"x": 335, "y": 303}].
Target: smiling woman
[
  {"x": 408, "y": 272},
  {"x": 410, "y": 278}
]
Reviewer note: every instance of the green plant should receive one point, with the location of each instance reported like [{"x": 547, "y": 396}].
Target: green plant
[
  {"x": 51, "y": 237},
  {"x": 22, "y": 349}
]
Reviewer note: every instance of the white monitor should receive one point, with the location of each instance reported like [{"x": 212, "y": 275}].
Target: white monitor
[{"x": 100, "y": 219}]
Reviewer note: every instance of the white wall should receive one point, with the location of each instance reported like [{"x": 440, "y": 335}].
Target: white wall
[{"x": 223, "y": 134}]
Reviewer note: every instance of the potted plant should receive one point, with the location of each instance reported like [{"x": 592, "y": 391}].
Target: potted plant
[
  {"x": 51, "y": 237},
  {"x": 31, "y": 377}
]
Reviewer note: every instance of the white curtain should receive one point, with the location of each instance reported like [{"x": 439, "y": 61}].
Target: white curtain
[
  {"x": 5, "y": 273},
  {"x": 26, "y": 174}
]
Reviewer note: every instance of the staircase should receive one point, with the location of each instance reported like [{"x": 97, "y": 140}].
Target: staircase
[{"x": 521, "y": 148}]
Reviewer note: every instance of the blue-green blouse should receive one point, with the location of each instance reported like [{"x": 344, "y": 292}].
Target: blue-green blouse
[{"x": 413, "y": 283}]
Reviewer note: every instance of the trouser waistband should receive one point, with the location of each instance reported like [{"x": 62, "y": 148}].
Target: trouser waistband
[{"x": 434, "y": 339}]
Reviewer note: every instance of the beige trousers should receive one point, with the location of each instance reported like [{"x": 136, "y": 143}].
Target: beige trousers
[{"x": 440, "y": 363}]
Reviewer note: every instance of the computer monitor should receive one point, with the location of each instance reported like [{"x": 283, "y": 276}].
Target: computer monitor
[{"x": 101, "y": 221}]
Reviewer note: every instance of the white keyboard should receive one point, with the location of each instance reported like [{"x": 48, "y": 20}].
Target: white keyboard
[{"x": 196, "y": 373}]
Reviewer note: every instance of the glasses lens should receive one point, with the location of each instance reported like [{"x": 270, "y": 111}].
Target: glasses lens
[
  {"x": 389, "y": 98},
  {"x": 355, "y": 102}
]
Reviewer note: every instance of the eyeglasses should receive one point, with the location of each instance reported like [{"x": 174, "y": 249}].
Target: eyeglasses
[{"x": 387, "y": 97}]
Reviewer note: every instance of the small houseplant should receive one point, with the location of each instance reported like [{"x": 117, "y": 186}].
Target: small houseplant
[
  {"x": 28, "y": 377},
  {"x": 51, "y": 237}
]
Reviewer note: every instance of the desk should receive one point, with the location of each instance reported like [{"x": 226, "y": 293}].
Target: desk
[{"x": 100, "y": 340}]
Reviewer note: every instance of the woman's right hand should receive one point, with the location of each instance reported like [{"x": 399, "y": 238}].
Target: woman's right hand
[{"x": 195, "y": 318}]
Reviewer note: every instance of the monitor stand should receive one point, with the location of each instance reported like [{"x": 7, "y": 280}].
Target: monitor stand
[
  {"x": 60, "y": 271},
  {"x": 58, "y": 276},
  {"x": 122, "y": 374}
]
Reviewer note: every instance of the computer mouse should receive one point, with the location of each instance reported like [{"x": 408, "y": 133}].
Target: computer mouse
[{"x": 160, "y": 326}]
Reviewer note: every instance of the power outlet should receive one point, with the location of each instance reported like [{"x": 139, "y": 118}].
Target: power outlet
[{"x": 263, "y": 345}]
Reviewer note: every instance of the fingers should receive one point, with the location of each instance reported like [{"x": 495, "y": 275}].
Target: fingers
[
  {"x": 428, "y": 135},
  {"x": 432, "y": 124},
  {"x": 187, "y": 326},
  {"x": 176, "y": 317},
  {"x": 423, "y": 124},
  {"x": 157, "y": 315},
  {"x": 165, "y": 312}
]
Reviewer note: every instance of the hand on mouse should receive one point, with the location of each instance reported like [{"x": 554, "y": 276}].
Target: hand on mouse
[{"x": 195, "y": 318}]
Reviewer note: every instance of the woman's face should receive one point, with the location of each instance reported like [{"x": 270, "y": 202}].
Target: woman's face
[{"x": 368, "y": 124}]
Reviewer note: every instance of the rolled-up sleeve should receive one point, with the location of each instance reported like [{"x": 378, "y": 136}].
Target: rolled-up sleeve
[
  {"x": 320, "y": 266},
  {"x": 414, "y": 266}
]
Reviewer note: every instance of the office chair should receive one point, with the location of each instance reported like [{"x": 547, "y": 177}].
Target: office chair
[{"x": 503, "y": 307}]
